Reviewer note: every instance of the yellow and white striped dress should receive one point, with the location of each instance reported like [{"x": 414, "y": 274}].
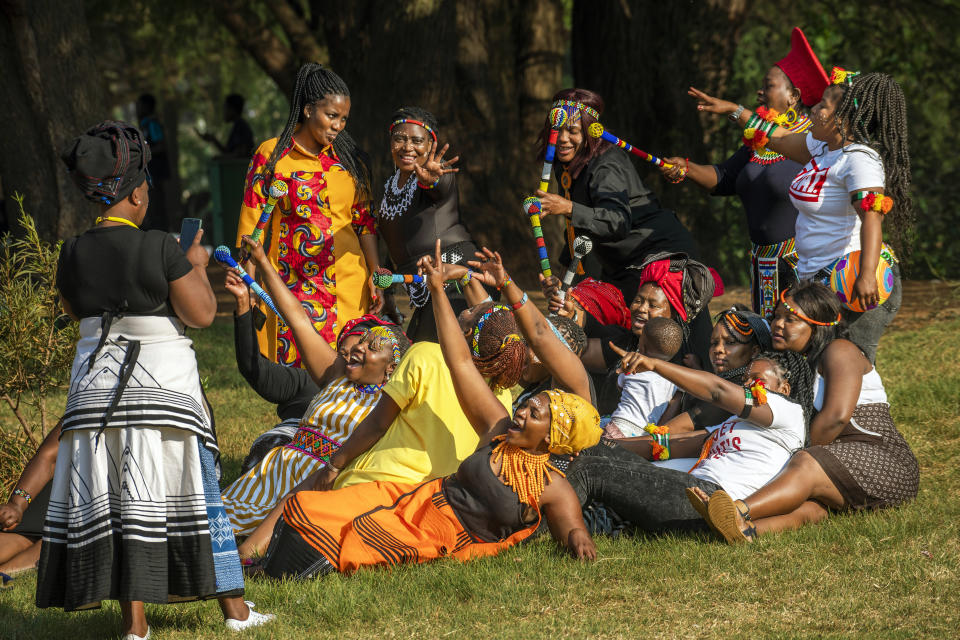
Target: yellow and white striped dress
[{"x": 332, "y": 416}]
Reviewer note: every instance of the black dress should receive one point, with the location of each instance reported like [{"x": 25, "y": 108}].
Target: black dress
[{"x": 412, "y": 233}]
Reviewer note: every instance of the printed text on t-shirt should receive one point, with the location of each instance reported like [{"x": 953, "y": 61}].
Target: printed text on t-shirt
[
  {"x": 807, "y": 184},
  {"x": 723, "y": 441}
]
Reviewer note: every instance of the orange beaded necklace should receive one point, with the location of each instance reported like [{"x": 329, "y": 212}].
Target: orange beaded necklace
[{"x": 523, "y": 471}]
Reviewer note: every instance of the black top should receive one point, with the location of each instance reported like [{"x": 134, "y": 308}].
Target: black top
[
  {"x": 624, "y": 218},
  {"x": 487, "y": 508},
  {"x": 763, "y": 189},
  {"x": 240, "y": 141},
  {"x": 290, "y": 388},
  {"x": 433, "y": 213},
  {"x": 120, "y": 269}
]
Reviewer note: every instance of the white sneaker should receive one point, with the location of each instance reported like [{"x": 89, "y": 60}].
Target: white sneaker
[
  {"x": 133, "y": 636},
  {"x": 253, "y": 620}
]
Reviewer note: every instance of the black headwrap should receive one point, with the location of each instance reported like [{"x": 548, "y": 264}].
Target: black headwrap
[{"x": 108, "y": 162}]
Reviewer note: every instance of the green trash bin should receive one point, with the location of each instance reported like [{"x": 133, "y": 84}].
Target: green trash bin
[{"x": 227, "y": 179}]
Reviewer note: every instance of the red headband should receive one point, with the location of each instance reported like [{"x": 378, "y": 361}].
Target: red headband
[
  {"x": 603, "y": 301},
  {"x": 416, "y": 122}
]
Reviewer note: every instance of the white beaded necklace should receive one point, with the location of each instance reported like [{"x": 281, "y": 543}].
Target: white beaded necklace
[{"x": 395, "y": 206}]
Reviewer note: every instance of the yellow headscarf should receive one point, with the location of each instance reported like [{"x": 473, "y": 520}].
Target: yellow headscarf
[{"x": 574, "y": 423}]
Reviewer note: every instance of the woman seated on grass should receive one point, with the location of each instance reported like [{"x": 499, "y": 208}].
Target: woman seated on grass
[
  {"x": 349, "y": 389},
  {"x": 494, "y": 499},
  {"x": 770, "y": 413},
  {"x": 858, "y": 459}
]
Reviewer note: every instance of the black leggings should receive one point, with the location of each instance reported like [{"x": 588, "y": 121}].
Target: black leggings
[{"x": 649, "y": 497}]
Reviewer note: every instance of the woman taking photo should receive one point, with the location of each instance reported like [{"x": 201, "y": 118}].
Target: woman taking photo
[
  {"x": 495, "y": 499},
  {"x": 858, "y": 459},
  {"x": 856, "y": 172},
  {"x": 135, "y": 512},
  {"x": 321, "y": 234},
  {"x": 761, "y": 178}
]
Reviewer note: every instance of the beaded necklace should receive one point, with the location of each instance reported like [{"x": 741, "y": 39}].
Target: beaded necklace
[
  {"x": 766, "y": 157},
  {"x": 523, "y": 471},
  {"x": 367, "y": 388},
  {"x": 396, "y": 200}
]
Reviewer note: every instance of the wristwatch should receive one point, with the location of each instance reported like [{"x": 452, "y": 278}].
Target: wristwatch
[{"x": 735, "y": 116}]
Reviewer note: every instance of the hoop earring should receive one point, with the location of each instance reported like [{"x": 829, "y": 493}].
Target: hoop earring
[{"x": 792, "y": 116}]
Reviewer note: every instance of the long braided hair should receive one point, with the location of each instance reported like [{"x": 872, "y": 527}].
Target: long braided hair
[
  {"x": 873, "y": 112},
  {"x": 498, "y": 349},
  {"x": 314, "y": 83},
  {"x": 792, "y": 367}
]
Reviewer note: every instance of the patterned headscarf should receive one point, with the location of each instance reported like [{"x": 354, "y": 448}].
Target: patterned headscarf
[
  {"x": 574, "y": 423},
  {"x": 386, "y": 334}
]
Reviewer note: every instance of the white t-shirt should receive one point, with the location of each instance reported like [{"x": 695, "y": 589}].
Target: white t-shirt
[
  {"x": 644, "y": 399},
  {"x": 744, "y": 457},
  {"x": 871, "y": 390},
  {"x": 827, "y": 225}
]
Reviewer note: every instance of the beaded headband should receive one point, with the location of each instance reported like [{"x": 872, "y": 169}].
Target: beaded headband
[
  {"x": 475, "y": 339},
  {"x": 733, "y": 321},
  {"x": 808, "y": 320},
  {"x": 385, "y": 334},
  {"x": 416, "y": 122},
  {"x": 577, "y": 106}
]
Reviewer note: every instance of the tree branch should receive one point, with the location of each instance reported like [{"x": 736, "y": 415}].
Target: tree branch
[
  {"x": 256, "y": 38},
  {"x": 14, "y": 406},
  {"x": 304, "y": 43}
]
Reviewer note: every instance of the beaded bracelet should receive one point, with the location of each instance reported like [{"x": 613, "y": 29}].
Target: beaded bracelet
[
  {"x": 428, "y": 186},
  {"x": 757, "y": 133},
  {"x": 23, "y": 494},
  {"x": 661, "y": 441},
  {"x": 505, "y": 282},
  {"x": 523, "y": 301},
  {"x": 873, "y": 201},
  {"x": 465, "y": 279}
]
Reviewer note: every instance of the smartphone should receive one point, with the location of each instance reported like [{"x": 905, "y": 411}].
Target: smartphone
[{"x": 188, "y": 231}]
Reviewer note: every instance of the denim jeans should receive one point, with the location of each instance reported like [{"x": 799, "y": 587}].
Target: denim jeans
[
  {"x": 866, "y": 328},
  {"x": 648, "y": 497}
]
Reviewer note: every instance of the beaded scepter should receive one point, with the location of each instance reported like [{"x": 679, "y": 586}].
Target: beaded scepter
[
  {"x": 222, "y": 255},
  {"x": 278, "y": 189},
  {"x": 596, "y": 130}
]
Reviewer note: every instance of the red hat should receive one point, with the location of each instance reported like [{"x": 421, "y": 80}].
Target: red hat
[{"x": 804, "y": 69}]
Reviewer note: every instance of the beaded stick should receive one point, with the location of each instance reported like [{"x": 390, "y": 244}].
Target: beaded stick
[
  {"x": 558, "y": 118},
  {"x": 597, "y": 131},
  {"x": 222, "y": 255},
  {"x": 383, "y": 279},
  {"x": 531, "y": 206},
  {"x": 278, "y": 189}
]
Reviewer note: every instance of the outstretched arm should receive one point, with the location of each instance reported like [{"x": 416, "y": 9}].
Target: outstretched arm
[
  {"x": 562, "y": 363},
  {"x": 479, "y": 404},
  {"x": 35, "y": 476},
  {"x": 706, "y": 386},
  {"x": 565, "y": 519},
  {"x": 320, "y": 360}
]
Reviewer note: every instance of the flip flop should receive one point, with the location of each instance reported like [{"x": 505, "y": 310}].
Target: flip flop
[
  {"x": 722, "y": 515},
  {"x": 5, "y": 581}
]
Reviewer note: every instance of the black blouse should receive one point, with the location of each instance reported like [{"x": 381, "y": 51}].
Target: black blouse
[
  {"x": 120, "y": 269},
  {"x": 763, "y": 190},
  {"x": 433, "y": 213},
  {"x": 622, "y": 216}
]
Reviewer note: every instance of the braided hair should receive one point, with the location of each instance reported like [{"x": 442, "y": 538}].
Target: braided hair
[
  {"x": 873, "y": 112},
  {"x": 314, "y": 83},
  {"x": 498, "y": 350},
  {"x": 570, "y": 331},
  {"x": 792, "y": 367},
  {"x": 821, "y": 304}
]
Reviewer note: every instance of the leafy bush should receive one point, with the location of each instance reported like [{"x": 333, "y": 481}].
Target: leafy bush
[{"x": 36, "y": 338}]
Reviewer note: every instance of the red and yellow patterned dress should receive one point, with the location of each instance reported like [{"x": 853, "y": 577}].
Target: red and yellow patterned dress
[{"x": 313, "y": 240}]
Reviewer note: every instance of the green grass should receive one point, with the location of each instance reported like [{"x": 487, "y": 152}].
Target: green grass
[{"x": 890, "y": 574}]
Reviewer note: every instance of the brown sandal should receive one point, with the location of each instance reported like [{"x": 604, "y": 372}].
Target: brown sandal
[
  {"x": 722, "y": 513},
  {"x": 700, "y": 507}
]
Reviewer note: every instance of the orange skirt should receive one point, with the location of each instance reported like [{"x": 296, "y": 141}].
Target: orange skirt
[{"x": 371, "y": 524}]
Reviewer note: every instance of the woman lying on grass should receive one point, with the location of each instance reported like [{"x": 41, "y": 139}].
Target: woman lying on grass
[{"x": 493, "y": 501}]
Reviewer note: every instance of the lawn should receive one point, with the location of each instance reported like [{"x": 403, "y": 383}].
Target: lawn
[{"x": 891, "y": 574}]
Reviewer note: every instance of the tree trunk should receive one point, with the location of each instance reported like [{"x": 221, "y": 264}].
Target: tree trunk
[
  {"x": 487, "y": 69},
  {"x": 641, "y": 56},
  {"x": 52, "y": 94}
]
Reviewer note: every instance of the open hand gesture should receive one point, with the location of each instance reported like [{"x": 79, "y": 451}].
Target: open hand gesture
[
  {"x": 435, "y": 166},
  {"x": 710, "y": 104},
  {"x": 632, "y": 361},
  {"x": 488, "y": 268}
]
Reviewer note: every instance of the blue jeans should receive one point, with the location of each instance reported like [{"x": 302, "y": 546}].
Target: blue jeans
[{"x": 648, "y": 497}]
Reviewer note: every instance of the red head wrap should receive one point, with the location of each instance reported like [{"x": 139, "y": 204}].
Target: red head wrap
[
  {"x": 603, "y": 301},
  {"x": 671, "y": 282},
  {"x": 804, "y": 69},
  {"x": 358, "y": 326}
]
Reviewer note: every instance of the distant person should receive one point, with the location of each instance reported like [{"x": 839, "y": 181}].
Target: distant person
[
  {"x": 158, "y": 169},
  {"x": 240, "y": 140}
]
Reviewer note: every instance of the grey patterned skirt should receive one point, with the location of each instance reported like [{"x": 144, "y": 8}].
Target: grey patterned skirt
[{"x": 869, "y": 462}]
